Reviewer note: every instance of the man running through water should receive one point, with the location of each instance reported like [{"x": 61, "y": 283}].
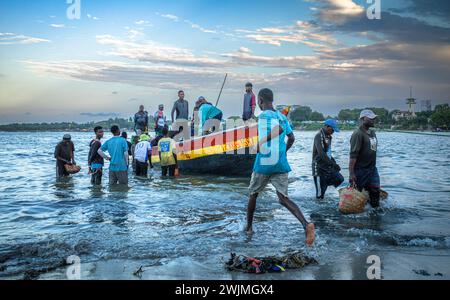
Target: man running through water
[{"x": 271, "y": 163}]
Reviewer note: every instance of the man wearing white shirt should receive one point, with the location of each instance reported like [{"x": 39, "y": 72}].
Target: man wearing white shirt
[{"x": 143, "y": 155}]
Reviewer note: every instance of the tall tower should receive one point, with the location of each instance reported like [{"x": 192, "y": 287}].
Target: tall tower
[
  {"x": 411, "y": 103},
  {"x": 426, "y": 105}
]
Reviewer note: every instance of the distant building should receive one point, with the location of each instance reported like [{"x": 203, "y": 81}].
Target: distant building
[
  {"x": 403, "y": 115},
  {"x": 426, "y": 105},
  {"x": 411, "y": 113}
]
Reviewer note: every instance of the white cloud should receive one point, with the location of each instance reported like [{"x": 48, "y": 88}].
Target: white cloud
[
  {"x": 170, "y": 17},
  {"x": 338, "y": 11},
  {"x": 299, "y": 33},
  {"x": 9, "y": 38},
  {"x": 150, "y": 51},
  {"x": 143, "y": 23},
  {"x": 57, "y": 25},
  {"x": 91, "y": 17}
]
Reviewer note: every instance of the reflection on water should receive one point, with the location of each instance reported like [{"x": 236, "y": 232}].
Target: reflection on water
[{"x": 43, "y": 221}]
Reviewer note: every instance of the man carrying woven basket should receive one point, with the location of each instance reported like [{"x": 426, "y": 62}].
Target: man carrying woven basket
[{"x": 363, "y": 158}]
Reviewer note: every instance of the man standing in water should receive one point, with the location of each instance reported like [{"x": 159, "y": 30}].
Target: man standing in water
[
  {"x": 181, "y": 108},
  {"x": 95, "y": 161},
  {"x": 324, "y": 166},
  {"x": 363, "y": 158},
  {"x": 271, "y": 163},
  {"x": 141, "y": 120},
  {"x": 117, "y": 148},
  {"x": 249, "y": 103},
  {"x": 64, "y": 154}
]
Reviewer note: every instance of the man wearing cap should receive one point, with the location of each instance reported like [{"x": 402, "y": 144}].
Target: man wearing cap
[
  {"x": 249, "y": 102},
  {"x": 324, "y": 165},
  {"x": 363, "y": 158},
  {"x": 207, "y": 112},
  {"x": 64, "y": 154},
  {"x": 143, "y": 155}
]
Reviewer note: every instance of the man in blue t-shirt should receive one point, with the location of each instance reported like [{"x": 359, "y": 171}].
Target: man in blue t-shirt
[
  {"x": 117, "y": 148},
  {"x": 271, "y": 163}
]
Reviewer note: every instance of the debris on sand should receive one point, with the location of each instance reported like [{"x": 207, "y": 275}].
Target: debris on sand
[
  {"x": 138, "y": 272},
  {"x": 422, "y": 272},
  {"x": 270, "y": 264}
]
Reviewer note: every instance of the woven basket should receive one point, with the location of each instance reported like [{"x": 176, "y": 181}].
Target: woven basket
[
  {"x": 352, "y": 201},
  {"x": 72, "y": 169}
]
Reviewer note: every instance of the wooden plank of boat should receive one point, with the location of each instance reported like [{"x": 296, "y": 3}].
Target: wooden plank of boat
[{"x": 229, "y": 152}]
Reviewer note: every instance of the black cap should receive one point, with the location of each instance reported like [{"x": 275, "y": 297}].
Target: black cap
[{"x": 248, "y": 84}]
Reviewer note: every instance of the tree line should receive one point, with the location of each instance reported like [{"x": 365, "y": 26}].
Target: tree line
[{"x": 439, "y": 118}]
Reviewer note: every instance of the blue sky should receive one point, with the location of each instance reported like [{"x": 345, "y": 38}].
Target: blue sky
[{"x": 326, "y": 54}]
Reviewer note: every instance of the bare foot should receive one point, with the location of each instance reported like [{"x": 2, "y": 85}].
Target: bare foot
[
  {"x": 249, "y": 231},
  {"x": 310, "y": 234}
]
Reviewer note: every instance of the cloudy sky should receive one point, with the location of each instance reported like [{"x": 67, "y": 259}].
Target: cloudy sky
[{"x": 326, "y": 54}]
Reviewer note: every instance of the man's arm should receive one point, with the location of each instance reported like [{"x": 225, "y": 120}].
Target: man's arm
[
  {"x": 320, "y": 151},
  {"x": 290, "y": 141},
  {"x": 150, "y": 152},
  {"x": 126, "y": 157},
  {"x": 92, "y": 153},
  {"x": 355, "y": 148},
  {"x": 103, "y": 154},
  {"x": 253, "y": 104},
  {"x": 351, "y": 167},
  {"x": 173, "y": 111},
  {"x": 276, "y": 132}
]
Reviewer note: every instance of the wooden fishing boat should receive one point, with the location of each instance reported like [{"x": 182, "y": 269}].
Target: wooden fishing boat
[{"x": 231, "y": 153}]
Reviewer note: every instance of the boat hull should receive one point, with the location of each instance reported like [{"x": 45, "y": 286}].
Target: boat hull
[{"x": 229, "y": 153}]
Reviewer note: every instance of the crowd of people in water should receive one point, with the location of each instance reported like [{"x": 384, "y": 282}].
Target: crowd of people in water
[{"x": 275, "y": 138}]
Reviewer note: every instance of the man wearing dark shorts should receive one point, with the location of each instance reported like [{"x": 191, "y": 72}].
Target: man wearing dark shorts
[{"x": 363, "y": 158}]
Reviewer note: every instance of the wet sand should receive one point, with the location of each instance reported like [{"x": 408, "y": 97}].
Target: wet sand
[{"x": 407, "y": 266}]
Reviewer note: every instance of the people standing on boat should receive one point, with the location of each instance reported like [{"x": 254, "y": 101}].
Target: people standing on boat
[
  {"x": 143, "y": 156},
  {"x": 363, "y": 158},
  {"x": 271, "y": 164},
  {"x": 194, "y": 121},
  {"x": 180, "y": 110},
  {"x": 95, "y": 161},
  {"x": 141, "y": 120},
  {"x": 117, "y": 148},
  {"x": 325, "y": 168},
  {"x": 160, "y": 120},
  {"x": 65, "y": 155},
  {"x": 207, "y": 111},
  {"x": 249, "y": 103},
  {"x": 167, "y": 154}
]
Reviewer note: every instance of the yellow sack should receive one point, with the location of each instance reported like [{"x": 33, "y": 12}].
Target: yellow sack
[{"x": 352, "y": 201}]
